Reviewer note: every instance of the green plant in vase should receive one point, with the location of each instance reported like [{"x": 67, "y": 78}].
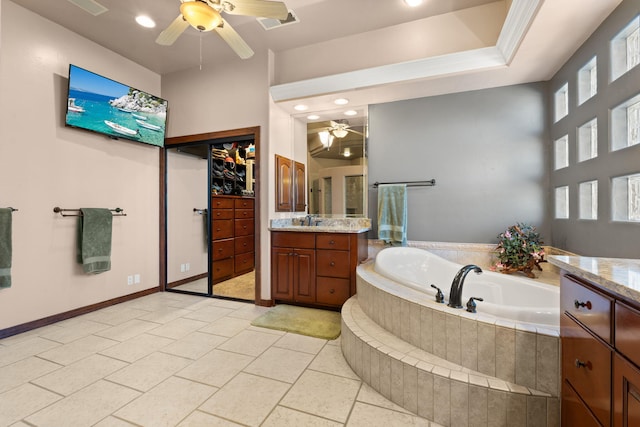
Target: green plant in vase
[{"x": 519, "y": 249}]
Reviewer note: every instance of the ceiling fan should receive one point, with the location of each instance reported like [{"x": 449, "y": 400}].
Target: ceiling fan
[
  {"x": 338, "y": 128},
  {"x": 206, "y": 15}
]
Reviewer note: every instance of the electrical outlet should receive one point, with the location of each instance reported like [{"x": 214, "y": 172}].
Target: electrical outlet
[
  {"x": 187, "y": 266},
  {"x": 182, "y": 268},
  {"x": 129, "y": 280},
  {"x": 136, "y": 278}
]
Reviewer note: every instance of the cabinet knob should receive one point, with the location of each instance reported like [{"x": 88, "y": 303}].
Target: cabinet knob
[
  {"x": 579, "y": 304},
  {"x": 332, "y": 242},
  {"x": 580, "y": 364},
  {"x": 332, "y": 263},
  {"x": 332, "y": 291}
]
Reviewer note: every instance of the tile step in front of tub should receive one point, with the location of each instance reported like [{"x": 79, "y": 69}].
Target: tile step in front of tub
[{"x": 434, "y": 388}]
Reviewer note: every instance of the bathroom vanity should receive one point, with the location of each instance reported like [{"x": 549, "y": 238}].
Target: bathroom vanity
[
  {"x": 599, "y": 330},
  {"x": 316, "y": 265}
]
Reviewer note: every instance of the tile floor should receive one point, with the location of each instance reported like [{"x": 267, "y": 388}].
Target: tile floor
[{"x": 180, "y": 360}]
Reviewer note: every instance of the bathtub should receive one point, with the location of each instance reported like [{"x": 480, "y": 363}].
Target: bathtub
[{"x": 508, "y": 297}]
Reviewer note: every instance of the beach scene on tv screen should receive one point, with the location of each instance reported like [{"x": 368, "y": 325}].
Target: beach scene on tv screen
[{"x": 106, "y": 106}]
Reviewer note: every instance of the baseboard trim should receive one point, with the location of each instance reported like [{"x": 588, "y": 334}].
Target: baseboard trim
[
  {"x": 18, "y": 329},
  {"x": 187, "y": 280}
]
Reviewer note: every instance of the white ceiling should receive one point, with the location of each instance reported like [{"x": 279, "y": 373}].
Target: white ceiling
[{"x": 557, "y": 29}]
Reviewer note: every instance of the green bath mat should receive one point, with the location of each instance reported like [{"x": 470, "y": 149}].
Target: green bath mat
[{"x": 313, "y": 322}]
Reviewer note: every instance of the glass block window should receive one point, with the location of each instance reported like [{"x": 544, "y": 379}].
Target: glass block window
[
  {"x": 562, "y": 202},
  {"x": 625, "y": 124},
  {"x": 588, "y": 200},
  {"x": 625, "y": 49},
  {"x": 588, "y": 141},
  {"x": 561, "y": 102},
  {"x": 588, "y": 81},
  {"x": 561, "y": 152},
  {"x": 626, "y": 198}
]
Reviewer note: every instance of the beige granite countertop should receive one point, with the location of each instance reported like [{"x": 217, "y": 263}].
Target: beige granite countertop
[
  {"x": 618, "y": 275},
  {"x": 326, "y": 225}
]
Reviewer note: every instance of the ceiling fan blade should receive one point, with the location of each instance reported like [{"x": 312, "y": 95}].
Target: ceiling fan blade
[
  {"x": 234, "y": 40},
  {"x": 260, "y": 8},
  {"x": 172, "y": 32},
  {"x": 354, "y": 131}
]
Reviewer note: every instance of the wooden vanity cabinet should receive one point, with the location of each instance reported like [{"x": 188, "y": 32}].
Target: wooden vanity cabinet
[
  {"x": 600, "y": 356},
  {"x": 315, "y": 268}
]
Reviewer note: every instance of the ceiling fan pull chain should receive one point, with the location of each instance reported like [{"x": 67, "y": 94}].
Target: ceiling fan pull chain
[{"x": 200, "y": 50}]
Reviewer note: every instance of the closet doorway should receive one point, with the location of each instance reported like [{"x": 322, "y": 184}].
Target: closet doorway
[{"x": 210, "y": 218}]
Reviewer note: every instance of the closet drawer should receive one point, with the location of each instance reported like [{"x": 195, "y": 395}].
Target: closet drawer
[
  {"x": 332, "y": 291},
  {"x": 586, "y": 365},
  {"x": 243, "y": 227},
  {"x": 332, "y": 263},
  {"x": 222, "y": 229},
  {"x": 244, "y": 204},
  {"x": 244, "y": 244},
  {"x": 244, "y": 262},
  {"x": 223, "y": 268},
  {"x": 627, "y": 327},
  {"x": 332, "y": 241},
  {"x": 221, "y": 203},
  {"x": 222, "y": 249},
  {"x": 591, "y": 308},
  {"x": 244, "y": 213},
  {"x": 222, "y": 214}
]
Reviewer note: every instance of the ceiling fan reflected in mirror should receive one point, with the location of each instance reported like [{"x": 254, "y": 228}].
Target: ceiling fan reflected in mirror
[
  {"x": 206, "y": 15},
  {"x": 338, "y": 129}
]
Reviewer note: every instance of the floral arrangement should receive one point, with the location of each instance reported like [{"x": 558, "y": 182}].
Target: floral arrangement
[{"x": 519, "y": 249}]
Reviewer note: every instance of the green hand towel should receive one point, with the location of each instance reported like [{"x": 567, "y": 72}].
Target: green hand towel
[
  {"x": 94, "y": 240},
  {"x": 392, "y": 213},
  {"x": 5, "y": 248}
]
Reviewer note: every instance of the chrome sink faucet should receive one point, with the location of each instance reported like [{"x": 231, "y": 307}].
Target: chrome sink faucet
[{"x": 455, "y": 293}]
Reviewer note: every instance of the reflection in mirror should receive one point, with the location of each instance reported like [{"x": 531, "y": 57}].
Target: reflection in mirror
[
  {"x": 187, "y": 216},
  {"x": 337, "y": 167}
]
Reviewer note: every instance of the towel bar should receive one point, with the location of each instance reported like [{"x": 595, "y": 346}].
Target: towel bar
[
  {"x": 12, "y": 209},
  {"x": 429, "y": 183},
  {"x": 78, "y": 212},
  {"x": 200, "y": 211}
]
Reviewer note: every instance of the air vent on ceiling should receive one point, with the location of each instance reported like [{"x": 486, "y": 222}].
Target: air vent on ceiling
[
  {"x": 90, "y": 6},
  {"x": 270, "y": 23}
]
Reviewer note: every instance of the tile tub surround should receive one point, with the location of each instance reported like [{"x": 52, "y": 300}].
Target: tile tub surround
[
  {"x": 335, "y": 225},
  {"x": 440, "y": 391}
]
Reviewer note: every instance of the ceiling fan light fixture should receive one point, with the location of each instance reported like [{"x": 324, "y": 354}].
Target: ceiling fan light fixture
[
  {"x": 326, "y": 138},
  {"x": 340, "y": 133},
  {"x": 200, "y": 15}
]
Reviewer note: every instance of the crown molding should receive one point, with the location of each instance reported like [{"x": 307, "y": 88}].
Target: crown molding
[{"x": 516, "y": 25}]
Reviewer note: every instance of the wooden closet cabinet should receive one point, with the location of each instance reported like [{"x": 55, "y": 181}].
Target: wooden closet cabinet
[
  {"x": 315, "y": 268},
  {"x": 600, "y": 339}
]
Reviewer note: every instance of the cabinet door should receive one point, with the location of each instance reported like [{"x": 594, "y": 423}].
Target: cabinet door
[
  {"x": 304, "y": 275},
  {"x": 299, "y": 187},
  {"x": 282, "y": 273},
  {"x": 284, "y": 184},
  {"x": 626, "y": 393},
  {"x": 574, "y": 412}
]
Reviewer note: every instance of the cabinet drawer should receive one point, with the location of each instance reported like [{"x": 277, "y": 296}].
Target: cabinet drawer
[
  {"x": 574, "y": 413},
  {"x": 243, "y": 227},
  {"x": 244, "y": 244},
  {"x": 333, "y": 263},
  {"x": 222, "y": 268},
  {"x": 244, "y": 204},
  {"x": 591, "y": 308},
  {"x": 244, "y": 213},
  {"x": 288, "y": 239},
  {"x": 332, "y": 291},
  {"x": 222, "y": 229},
  {"x": 221, "y": 203},
  {"x": 627, "y": 327},
  {"x": 586, "y": 365},
  {"x": 332, "y": 241},
  {"x": 244, "y": 262},
  {"x": 222, "y": 249},
  {"x": 222, "y": 214}
]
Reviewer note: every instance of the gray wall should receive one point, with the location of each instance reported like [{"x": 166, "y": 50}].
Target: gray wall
[
  {"x": 487, "y": 151},
  {"x": 601, "y": 237}
]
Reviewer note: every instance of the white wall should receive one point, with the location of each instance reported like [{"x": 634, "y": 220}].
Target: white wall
[{"x": 44, "y": 164}]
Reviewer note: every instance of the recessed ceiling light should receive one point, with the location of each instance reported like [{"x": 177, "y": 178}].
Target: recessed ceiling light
[
  {"x": 413, "y": 3},
  {"x": 145, "y": 21},
  {"x": 313, "y": 117},
  {"x": 301, "y": 107},
  {"x": 350, "y": 113},
  {"x": 341, "y": 101}
]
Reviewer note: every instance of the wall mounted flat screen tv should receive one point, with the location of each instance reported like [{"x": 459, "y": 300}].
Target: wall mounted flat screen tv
[{"x": 102, "y": 105}]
